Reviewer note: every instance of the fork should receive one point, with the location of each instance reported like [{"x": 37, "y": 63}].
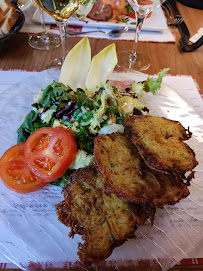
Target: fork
[
  {"x": 177, "y": 21},
  {"x": 170, "y": 20},
  {"x": 116, "y": 32}
]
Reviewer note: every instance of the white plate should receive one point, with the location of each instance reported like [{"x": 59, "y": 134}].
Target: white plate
[
  {"x": 31, "y": 235},
  {"x": 156, "y": 22}
]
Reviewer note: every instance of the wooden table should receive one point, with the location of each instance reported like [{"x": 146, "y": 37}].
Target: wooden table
[{"x": 19, "y": 55}]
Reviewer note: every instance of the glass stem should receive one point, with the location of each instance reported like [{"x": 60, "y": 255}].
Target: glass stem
[
  {"x": 139, "y": 23},
  {"x": 43, "y": 21},
  {"x": 63, "y": 30},
  {"x": 44, "y": 35}
]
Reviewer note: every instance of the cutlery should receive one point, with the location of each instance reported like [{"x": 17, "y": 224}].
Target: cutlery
[
  {"x": 191, "y": 47},
  {"x": 113, "y": 33},
  {"x": 181, "y": 26},
  {"x": 169, "y": 18},
  {"x": 179, "y": 22}
]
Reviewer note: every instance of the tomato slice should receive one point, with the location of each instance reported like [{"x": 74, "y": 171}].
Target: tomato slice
[
  {"x": 49, "y": 152},
  {"x": 141, "y": 3},
  {"x": 145, "y": 2},
  {"x": 132, "y": 15},
  {"x": 15, "y": 173}
]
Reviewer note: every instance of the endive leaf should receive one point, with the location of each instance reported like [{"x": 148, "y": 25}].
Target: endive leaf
[
  {"x": 102, "y": 66},
  {"x": 76, "y": 65}
]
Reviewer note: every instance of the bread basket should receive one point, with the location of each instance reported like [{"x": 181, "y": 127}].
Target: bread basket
[{"x": 5, "y": 39}]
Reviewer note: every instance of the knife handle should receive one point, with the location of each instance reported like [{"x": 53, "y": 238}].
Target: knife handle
[
  {"x": 174, "y": 7},
  {"x": 190, "y": 47}
]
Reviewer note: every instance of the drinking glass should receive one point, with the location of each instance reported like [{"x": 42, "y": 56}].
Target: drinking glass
[
  {"x": 60, "y": 10},
  {"x": 44, "y": 40},
  {"x": 133, "y": 60}
]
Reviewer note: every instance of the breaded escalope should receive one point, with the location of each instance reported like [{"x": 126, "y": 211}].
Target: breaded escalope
[
  {"x": 103, "y": 220},
  {"x": 127, "y": 176},
  {"x": 160, "y": 143}
]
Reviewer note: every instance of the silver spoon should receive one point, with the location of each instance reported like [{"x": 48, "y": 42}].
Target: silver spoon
[{"x": 116, "y": 32}]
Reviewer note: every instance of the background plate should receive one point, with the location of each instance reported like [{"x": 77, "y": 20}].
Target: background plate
[{"x": 156, "y": 22}]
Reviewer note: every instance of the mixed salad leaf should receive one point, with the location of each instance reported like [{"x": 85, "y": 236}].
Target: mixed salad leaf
[{"x": 58, "y": 105}]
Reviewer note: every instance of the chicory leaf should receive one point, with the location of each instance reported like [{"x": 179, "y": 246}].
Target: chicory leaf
[
  {"x": 152, "y": 84},
  {"x": 79, "y": 59}
]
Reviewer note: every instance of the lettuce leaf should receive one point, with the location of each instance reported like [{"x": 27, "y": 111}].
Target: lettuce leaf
[{"x": 152, "y": 84}]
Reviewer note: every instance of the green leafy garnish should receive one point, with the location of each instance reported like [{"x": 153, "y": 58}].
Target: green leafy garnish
[
  {"x": 129, "y": 9},
  {"x": 63, "y": 180},
  {"x": 31, "y": 123},
  {"x": 83, "y": 100},
  {"x": 85, "y": 139},
  {"x": 82, "y": 117},
  {"x": 152, "y": 84}
]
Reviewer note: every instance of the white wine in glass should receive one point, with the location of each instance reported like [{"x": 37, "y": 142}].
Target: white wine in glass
[
  {"x": 60, "y": 10},
  {"x": 133, "y": 60}
]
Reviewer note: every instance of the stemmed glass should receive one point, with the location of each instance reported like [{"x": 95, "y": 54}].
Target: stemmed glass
[
  {"x": 133, "y": 60},
  {"x": 44, "y": 40},
  {"x": 60, "y": 10}
]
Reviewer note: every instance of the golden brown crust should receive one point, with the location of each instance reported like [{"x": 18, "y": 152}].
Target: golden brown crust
[
  {"x": 120, "y": 163},
  {"x": 129, "y": 178},
  {"x": 105, "y": 206},
  {"x": 160, "y": 143},
  {"x": 172, "y": 190},
  {"x": 103, "y": 220}
]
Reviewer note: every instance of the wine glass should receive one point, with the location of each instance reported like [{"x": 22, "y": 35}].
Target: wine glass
[
  {"x": 60, "y": 10},
  {"x": 133, "y": 60},
  {"x": 44, "y": 40}
]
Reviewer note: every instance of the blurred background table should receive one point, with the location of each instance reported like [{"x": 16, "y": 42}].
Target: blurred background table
[{"x": 19, "y": 55}]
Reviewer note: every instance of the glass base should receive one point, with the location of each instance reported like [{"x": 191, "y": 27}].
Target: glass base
[
  {"x": 55, "y": 66},
  {"x": 44, "y": 41},
  {"x": 56, "y": 63},
  {"x": 141, "y": 62}
]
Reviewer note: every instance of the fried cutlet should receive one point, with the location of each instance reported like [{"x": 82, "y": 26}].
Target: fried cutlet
[
  {"x": 103, "y": 220},
  {"x": 171, "y": 192},
  {"x": 160, "y": 143},
  {"x": 127, "y": 176}
]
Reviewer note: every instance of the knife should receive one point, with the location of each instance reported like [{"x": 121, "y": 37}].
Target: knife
[{"x": 182, "y": 26}]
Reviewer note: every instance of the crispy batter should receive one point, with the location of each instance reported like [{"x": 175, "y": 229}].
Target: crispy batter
[
  {"x": 160, "y": 143},
  {"x": 120, "y": 164},
  {"x": 171, "y": 192},
  {"x": 103, "y": 220},
  {"x": 129, "y": 178}
]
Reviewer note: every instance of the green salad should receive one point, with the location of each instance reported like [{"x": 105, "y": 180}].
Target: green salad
[{"x": 58, "y": 105}]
